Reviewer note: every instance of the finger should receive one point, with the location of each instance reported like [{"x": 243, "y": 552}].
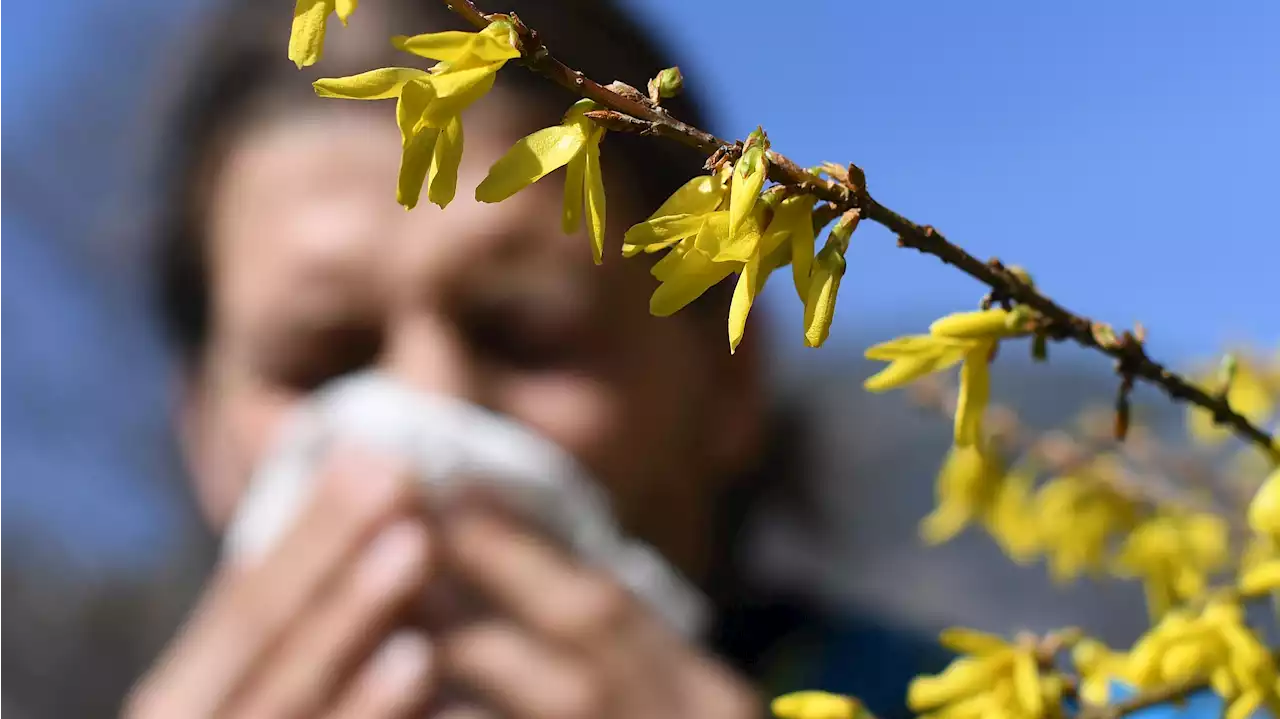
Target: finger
[
  {"x": 520, "y": 676},
  {"x": 533, "y": 581},
  {"x": 302, "y": 674},
  {"x": 397, "y": 681},
  {"x": 248, "y": 608}
]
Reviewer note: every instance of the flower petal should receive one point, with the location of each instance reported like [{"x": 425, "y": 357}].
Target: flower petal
[
  {"x": 531, "y": 159},
  {"x": 794, "y": 219},
  {"x": 905, "y": 370},
  {"x": 662, "y": 230},
  {"x": 970, "y": 641},
  {"x": 345, "y": 9},
  {"x": 975, "y": 390},
  {"x": 457, "y": 46},
  {"x": 445, "y": 160},
  {"x": 415, "y": 161},
  {"x": 820, "y": 305},
  {"x": 414, "y": 98},
  {"x": 306, "y": 37},
  {"x": 982, "y": 324},
  {"x": 747, "y": 243},
  {"x": 744, "y": 294},
  {"x": 594, "y": 187},
  {"x": 685, "y": 279},
  {"x": 456, "y": 91},
  {"x": 912, "y": 346},
  {"x": 743, "y": 193},
  {"x": 698, "y": 196},
  {"x": 381, "y": 84},
  {"x": 574, "y": 178}
]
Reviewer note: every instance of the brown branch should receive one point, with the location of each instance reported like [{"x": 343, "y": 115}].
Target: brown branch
[{"x": 1057, "y": 322}]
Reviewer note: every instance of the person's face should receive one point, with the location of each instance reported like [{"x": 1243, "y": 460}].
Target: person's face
[{"x": 315, "y": 271}]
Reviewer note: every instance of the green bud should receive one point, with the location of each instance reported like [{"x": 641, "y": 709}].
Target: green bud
[
  {"x": 1021, "y": 273},
  {"x": 1227, "y": 371},
  {"x": 1040, "y": 348},
  {"x": 668, "y": 83}
]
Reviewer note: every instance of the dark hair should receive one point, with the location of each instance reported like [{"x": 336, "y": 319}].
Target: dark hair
[{"x": 240, "y": 66}]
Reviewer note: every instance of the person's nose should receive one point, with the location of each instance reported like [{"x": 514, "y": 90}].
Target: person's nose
[{"x": 443, "y": 268}]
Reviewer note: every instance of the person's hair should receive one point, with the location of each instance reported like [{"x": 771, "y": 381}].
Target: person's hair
[{"x": 239, "y": 69}]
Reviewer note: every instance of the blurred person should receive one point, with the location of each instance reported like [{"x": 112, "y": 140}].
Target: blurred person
[{"x": 285, "y": 263}]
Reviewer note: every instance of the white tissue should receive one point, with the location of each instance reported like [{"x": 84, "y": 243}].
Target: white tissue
[{"x": 450, "y": 442}]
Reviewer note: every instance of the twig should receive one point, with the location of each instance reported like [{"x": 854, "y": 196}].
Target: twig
[{"x": 1057, "y": 322}]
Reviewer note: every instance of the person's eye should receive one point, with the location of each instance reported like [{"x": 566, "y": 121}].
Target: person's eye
[
  {"x": 306, "y": 363},
  {"x": 520, "y": 341}
]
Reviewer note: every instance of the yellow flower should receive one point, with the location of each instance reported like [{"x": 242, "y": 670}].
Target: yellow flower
[
  {"x": 966, "y": 486},
  {"x": 468, "y": 64},
  {"x": 306, "y": 38},
  {"x": 817, "y": 705},
  {"x": 979, "y": 325},
  {"x": 1260, "y": 567},
  {"x": 913, "y": 357},
  {"x": 424, "y": 153},
  {"x": 967, "y": 336},
  {"x": 994, "y": 678},
  {"x": 1174, "y": 554},
  {"x": 575, "y": 142},
  {"x": 975, "y": 392},
  {"x": 1248, "y": 394},
  {"x": 681, "y": 216},
  {"x": 428, "y": 103},
  {"x": 1011, "y": 518},
  {"x": 1216, "y": 645},
  {"x": 703, "y": 252},
  {"x": 1098, "y": 667},
  {"x": 824, "y": 286},
  {"x": 792, "y": 223},
  {"x": 1077, "y": 516},
  {"x": 748, "y": 178},
  {"x": 1264, "y": 510},
  {"x": 686, "y": 272}
]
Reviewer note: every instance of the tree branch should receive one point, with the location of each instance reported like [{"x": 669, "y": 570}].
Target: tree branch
[{"x": 1056, "y": 322}]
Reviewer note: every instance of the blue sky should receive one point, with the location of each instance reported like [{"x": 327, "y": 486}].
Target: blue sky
[{"x": 1124, "y": 152}]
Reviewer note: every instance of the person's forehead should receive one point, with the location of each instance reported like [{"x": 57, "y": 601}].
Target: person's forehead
[{"x": 304, "y": 217}]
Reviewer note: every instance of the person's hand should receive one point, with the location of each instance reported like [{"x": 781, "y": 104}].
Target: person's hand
[
  {"x": 310, "y": 629},
  {"x": 569, "y": 643}
]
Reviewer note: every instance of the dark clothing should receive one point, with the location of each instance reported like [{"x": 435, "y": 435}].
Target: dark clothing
[
  {"x": 787, "y": 648},
  {"x": 786, "y": 643}
]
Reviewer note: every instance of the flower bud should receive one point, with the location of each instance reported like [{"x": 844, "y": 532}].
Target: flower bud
[{"x": 668, "y": 83}]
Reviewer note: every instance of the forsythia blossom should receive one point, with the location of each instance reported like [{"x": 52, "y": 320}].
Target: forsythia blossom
[
  {"x": 1264, "y": 510},
  {"x": 576, "y": 143},
  {"x": 992, "y": 679},
  {"x": 1011, "y": 519},
  {"x": 1216, "y": 645},
  {"x": 1098, "y": 667},
  {"x": 748, "y": 178},
  {"x": 694, "y": 223},
  {"x": 429, "y": 102},
  {"x": 824, "y": 281},
  {"x": 1174, "y": 554},
  {"x": 306, "y": 38},
  {"x": 1078, "y": 516},
  {"x": 817, "y": 705},
  {"x": 1248, "y": 392},
  {"x": 967, "y": 485},
  {"x": 970, "y": 337}
]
